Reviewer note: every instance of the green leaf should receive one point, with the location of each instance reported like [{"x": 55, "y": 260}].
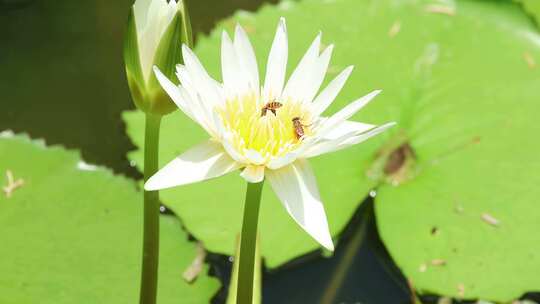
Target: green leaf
[
  {"x": 72, "y": 233},
  {"x": 466, "y": 98}
]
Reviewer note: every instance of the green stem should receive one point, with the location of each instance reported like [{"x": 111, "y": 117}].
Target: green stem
[
  {"x": 248, "y": 240},
  {"x": 149, "y": 274}
]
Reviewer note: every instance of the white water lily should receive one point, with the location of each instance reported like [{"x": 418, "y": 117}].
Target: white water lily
[{"x": 245, "y": 133}]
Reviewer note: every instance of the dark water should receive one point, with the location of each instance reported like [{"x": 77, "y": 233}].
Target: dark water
[{"x": 62, "y": 79}]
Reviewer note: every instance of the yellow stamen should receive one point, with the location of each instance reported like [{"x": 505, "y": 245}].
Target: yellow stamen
[{"x": 272, "y": 135}]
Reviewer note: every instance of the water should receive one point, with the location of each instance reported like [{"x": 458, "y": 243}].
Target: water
[{"x": 63, "y": 80}]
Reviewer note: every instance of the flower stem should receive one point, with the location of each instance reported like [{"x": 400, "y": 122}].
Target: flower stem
[
  {"x": 149, "y": 274},
  {"x": 248, "y": 240}
]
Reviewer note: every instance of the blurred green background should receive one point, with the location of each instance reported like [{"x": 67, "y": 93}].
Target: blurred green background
[{"x": 62, "y": 79}]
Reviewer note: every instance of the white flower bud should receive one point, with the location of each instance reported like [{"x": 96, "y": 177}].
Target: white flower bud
[{"x": 156, "y": 30}]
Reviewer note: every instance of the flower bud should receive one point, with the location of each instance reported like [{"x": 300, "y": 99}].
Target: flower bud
[{"x": 155, "y": 33}]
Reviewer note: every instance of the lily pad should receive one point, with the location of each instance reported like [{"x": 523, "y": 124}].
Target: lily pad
[
  {"x": 72, "y": 233},
  {"x": 461, "y": 204}
]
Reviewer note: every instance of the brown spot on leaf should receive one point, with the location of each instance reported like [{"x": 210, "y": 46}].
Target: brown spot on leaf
[
  {"x": 531, "y": 63},
  {"x": 397, "y": 158},
  {"x": 490, "y": 219},
  {"x": 461, "y": 290},
  {"x": 394, "y": 29},
  {"x": 441, "y": 9},
  {"x": 196, "y": 266},
  {"x": 12, "y": 184},
  {"x": 438, "y": 262}
]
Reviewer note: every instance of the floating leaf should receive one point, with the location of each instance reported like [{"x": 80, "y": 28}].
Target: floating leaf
[{"x": 72, "y": 233}]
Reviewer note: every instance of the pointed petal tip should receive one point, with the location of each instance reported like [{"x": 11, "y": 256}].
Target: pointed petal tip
[
  {"x": 371, "y": 95},
  {"x": 238, "y": 27},
  {"x": 329, "y": 245},
  {"x": 390, "y": 124},
  {"x": 186, "y": 50},
  {"x": 151, "y": 185},
  {"x": 282, "y": 24}
]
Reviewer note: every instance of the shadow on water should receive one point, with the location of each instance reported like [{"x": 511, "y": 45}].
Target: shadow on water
[{"x": 63, "y": 80}]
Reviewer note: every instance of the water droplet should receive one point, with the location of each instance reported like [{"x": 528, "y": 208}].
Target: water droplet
[
  {"x": 162, "y": 209},
  {"x": 372, "y": 193},
  {"x": 231, "y": 259},
  {"x": 132, "y": 163}
]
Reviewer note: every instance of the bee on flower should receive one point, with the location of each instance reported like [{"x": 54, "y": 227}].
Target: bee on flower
[{"x": 275, "y": 146}]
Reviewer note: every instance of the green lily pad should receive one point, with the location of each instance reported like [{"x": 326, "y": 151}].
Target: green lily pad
[
  {"x": 458, "y": 214},
  {"x": 72, "y": 233}
]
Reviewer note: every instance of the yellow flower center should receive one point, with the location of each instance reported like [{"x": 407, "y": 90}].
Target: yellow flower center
[{"x": 272, "y": 135}]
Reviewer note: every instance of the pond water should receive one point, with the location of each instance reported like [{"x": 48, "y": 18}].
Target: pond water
[{"x": 63, "y": 80}]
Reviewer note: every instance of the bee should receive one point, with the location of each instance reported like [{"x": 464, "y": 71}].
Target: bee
[
  {"x": 272, "y": 106},
  {"x": 298, "y": 127}
]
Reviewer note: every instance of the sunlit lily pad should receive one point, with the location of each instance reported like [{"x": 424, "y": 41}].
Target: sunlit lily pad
[
  {"x": 72, "y": 232},
  {"x": 461, "y": 220}
]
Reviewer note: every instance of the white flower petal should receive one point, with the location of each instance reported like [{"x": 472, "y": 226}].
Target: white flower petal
[
  {"x": 345, "y": 114},
  {"x": 298, "y": 84},
  {"x": 318, "y": 74},
  {"x": 174, "y": 92},
  {"x": 327, "y": 96},
  {"x": 191, "y": 107},
  {"x": 205, "y": 86},
  {"x": 140, "y": 8},
  {"x": 344, "y": 141},
  {"x": 254, "y": 157},
  {"x": 246, "y": 58},
  {"x": 253, "y": 174},
  {"x": 362, "y": 137},
  {"x": 347, "y": 127},
  {"x": 233, "y": 75},
  {"x": 296, "y": 187},
  {"x": 152, "y": 19},
  {"x": 277, "y": 63},
  {"x": 282, "y": 161},
  {"x": 202, "y": 162},
  {"x": 233, "y": 153}
]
